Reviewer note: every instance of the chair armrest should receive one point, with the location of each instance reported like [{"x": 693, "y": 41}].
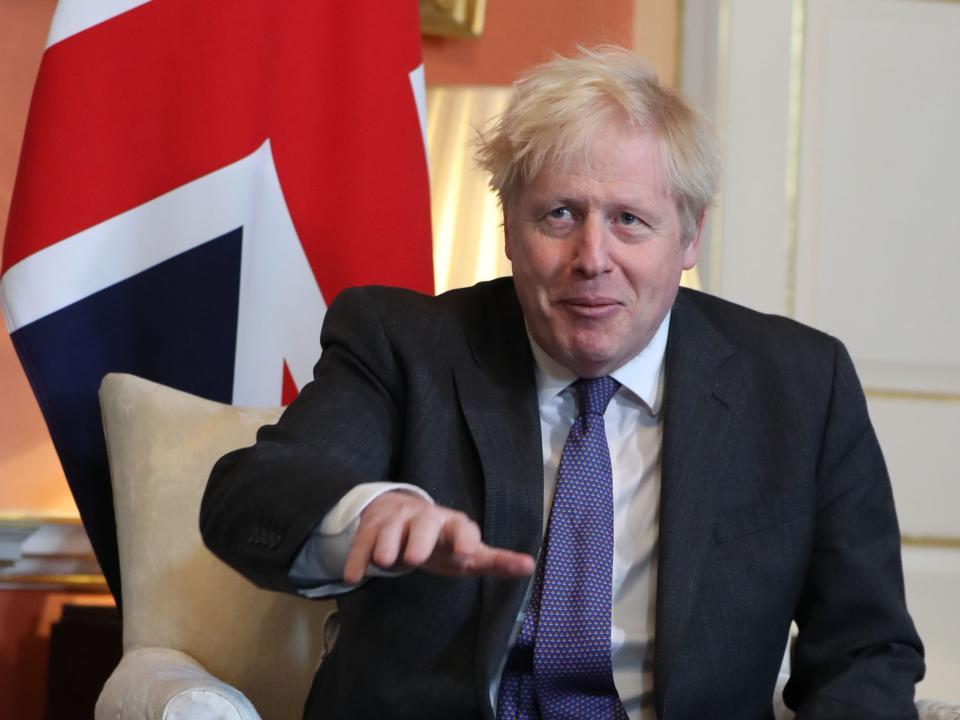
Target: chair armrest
[
  {"x": 162, "y": 684},
  {"x": 936, "y": 710}
]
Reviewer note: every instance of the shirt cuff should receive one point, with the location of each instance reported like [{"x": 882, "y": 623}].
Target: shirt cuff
[{"x": 318, "y": 567}]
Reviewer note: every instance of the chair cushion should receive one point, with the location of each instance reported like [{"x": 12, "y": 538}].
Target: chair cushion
[{"x": 162, "y": 444}]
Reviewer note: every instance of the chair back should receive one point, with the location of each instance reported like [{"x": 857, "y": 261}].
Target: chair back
[{"x": 162, "y": 444}]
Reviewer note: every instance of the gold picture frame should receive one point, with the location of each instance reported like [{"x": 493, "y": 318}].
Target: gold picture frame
[{"x": 452, "y": 18}]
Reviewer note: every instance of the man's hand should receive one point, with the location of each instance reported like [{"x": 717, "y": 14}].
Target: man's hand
[{"x": 401, "y": 531}]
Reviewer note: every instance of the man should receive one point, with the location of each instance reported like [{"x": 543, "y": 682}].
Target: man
[{"x": 594, "y": 496}]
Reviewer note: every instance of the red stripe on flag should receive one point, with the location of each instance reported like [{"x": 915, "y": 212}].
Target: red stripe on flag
[
  {"x": 290, "y": 391},
  {"x": 175, "y": 89}
]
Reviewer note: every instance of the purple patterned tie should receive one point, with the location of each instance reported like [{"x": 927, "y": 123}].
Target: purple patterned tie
[{"x": 560, "y": 666}]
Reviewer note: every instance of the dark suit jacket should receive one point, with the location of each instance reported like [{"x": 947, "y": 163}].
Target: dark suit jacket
[{"x": 775, "y": 506}]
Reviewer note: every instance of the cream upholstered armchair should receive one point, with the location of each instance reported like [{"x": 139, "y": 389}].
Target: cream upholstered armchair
[{"x": 200, "y": 641}]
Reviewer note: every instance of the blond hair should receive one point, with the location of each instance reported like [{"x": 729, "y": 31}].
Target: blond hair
[{"x": 557, "y": 108}]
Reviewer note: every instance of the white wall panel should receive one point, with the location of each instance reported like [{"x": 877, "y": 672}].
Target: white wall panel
[
  {"x": 921, "y": 443},
  {"x": 749, "y": 102},
  {"x": 933, "y": 596},
  {"x": 878, "y": 221},
  {"x": 868, "y": 247}
]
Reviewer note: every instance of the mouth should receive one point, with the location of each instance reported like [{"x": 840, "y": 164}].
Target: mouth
[{"x": 589, "y": 307}]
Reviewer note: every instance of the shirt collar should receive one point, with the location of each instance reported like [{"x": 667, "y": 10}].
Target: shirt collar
[{"x": 642, "y": 375}]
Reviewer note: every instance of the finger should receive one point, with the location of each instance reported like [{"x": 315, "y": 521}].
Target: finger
[
  {"x": 422, "y": 536},
  {"x": 391, "y": 538},
  {"x": 461, "y": 536},
  {"x": 358, "y": 558},
  {"x": 499, "y": 563}
]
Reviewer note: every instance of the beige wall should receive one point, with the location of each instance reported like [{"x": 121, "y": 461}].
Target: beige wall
[{"x": 30, "y": 475}]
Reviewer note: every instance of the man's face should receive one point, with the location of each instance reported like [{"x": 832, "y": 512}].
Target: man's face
[{"x": 596, "y": 252}]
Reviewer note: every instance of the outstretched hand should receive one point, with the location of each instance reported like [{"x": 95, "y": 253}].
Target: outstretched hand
[{"x": 402, "y": 531}]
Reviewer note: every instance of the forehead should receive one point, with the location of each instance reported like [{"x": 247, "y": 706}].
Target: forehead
[{"x": 617, "y": 160}]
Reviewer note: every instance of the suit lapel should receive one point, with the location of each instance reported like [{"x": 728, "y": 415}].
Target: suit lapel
[
  {"x": 498, "y": 396},
  {"x": 497, "y": 391},
  {"x": 702, "y": 403}
]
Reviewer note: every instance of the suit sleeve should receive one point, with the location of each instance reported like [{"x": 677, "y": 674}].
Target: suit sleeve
[
  {"x": 262, "y": 503},
  {"x": 857, "y": 654}
]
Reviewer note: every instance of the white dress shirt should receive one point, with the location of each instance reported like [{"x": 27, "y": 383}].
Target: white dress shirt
[{"x": 634, "y": 431}]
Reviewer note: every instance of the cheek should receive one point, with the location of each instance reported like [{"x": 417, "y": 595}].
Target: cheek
[
  {"x": 538, "y": 271},
  {"x": 532, "y": 291},
  {"x": 656, "y": 277}
]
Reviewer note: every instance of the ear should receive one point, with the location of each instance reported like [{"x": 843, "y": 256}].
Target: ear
[
  {"x": 692, "y": 251},
  {"x": 507, "y": 236}
]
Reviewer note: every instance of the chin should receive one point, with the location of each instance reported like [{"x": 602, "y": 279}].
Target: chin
[
  {"x": 591, "y": 348},
  {"x": 591, "y": 362}
]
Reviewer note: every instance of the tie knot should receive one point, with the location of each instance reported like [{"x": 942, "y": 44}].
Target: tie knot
[{"x": 594, "y": 394}]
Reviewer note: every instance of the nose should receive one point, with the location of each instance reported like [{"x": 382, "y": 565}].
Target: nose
[{"x": 591, "y": 248}]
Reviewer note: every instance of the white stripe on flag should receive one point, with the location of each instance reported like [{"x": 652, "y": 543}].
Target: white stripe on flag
[
  {"x": 418, "y": 85},
  {"x": 276, "y": 280},
  {"x": 75, "y": 16}
]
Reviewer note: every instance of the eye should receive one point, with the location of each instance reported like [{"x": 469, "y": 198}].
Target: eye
[
  {"x": 559, "y": 213},
  {"x": 626, "y": 218}
]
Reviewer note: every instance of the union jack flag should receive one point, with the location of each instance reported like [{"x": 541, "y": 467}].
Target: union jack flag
[{"x": 198, "y": 179}]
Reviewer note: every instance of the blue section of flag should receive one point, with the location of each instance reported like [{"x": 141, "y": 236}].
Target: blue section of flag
[{"x": 175, "y": 324}]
